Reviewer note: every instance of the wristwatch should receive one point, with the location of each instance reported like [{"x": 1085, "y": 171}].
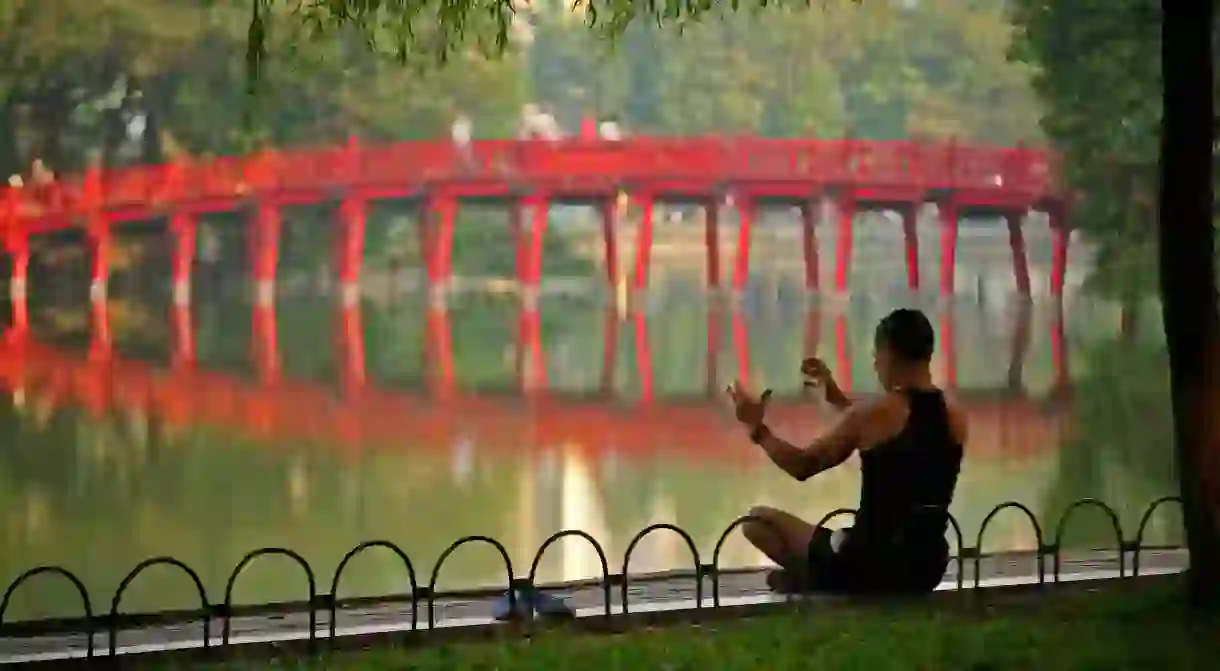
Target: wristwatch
[{"x": 759, "y": 433}]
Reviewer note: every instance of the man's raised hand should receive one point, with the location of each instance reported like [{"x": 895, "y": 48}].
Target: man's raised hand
[
  {"x": 749, "y": 410},
  {"x": 817, "y": 375},
  {"x": 816, "y": 372}
]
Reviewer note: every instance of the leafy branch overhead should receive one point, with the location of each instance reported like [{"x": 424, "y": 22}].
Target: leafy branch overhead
[{"x": 436, "y": 29}]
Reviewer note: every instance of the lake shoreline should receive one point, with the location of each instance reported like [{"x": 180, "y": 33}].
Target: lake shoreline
[{"x": 451, "y": 612}]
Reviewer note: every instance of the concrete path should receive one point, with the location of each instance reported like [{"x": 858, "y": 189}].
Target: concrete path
[{"x": 654, "y": 593}]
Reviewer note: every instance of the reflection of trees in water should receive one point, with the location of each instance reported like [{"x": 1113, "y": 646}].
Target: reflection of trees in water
[
  {"x": 106, "y": 502},
  {"x": 1119, "y": 447}
]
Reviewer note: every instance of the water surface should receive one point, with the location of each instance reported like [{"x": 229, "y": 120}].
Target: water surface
[{"x": 314, "y": 428}]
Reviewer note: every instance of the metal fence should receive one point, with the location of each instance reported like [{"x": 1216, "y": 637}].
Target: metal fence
[{"x": 427, "y": 595}]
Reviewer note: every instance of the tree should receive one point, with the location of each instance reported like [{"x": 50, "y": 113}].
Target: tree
[
  {"x": 1102, "y": 68},
  {"x": 1186, "y": 248},
  {"x": 894, "y": 69},
  {"x": 137, "y": 80},
  {"x": 1102, "y": 114},
  {"x": 1186, "y": 238}
]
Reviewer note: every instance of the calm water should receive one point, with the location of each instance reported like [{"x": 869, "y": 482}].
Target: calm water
[{"x": 466, "y": 424}]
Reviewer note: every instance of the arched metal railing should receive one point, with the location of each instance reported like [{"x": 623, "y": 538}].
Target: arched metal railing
[{"x": 515, "y": 587}]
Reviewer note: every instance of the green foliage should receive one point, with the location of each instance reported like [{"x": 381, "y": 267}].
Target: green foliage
[
  {"x": 1099, "y": 74},
  {"x": 75, "y": 74},
  {"x": 878, "y": 71}
]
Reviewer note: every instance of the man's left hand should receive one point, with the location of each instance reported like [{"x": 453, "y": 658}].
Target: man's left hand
[{"x": 749, "y": 410}]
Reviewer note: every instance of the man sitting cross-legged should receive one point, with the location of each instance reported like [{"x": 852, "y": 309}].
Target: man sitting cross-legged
[{"x": 910, "y": 441}]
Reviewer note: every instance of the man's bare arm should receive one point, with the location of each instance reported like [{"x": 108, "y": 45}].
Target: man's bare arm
[{"x": 823, "y": 454}]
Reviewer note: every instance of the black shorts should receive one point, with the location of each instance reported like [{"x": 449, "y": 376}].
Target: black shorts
[{"x": 855, "y": 569}]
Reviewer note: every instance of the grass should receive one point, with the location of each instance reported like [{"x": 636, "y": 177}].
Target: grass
[{"x": 1108, "y": 629}]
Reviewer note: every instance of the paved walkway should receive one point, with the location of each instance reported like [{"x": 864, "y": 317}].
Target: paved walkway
[{"x": 655, "y": 593}]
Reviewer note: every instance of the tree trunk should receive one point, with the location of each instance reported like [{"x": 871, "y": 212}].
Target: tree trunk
[
  {"x": 10, "y": 153},
  {"x": 1188, "y": 282},
  {"x": 50, "y": 113}
]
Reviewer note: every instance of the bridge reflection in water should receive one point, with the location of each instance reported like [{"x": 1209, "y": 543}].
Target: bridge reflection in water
[{"x": 603, "y": 424}]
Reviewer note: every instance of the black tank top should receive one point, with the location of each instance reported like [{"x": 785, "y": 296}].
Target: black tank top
[{"x": 907, "y": 482}]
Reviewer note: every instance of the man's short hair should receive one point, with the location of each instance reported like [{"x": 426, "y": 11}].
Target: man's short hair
[{"x": 907, "y": 334}]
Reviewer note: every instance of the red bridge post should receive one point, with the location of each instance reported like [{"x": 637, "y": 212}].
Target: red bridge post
[
  {"x": 19, "y": 250},
  {"x": 100, "y": 345},
  {"x": 351, "y": 344},
  {"x": 711, "y": 237},
  {"x": 643, "y": 243},
  {"x": 184, "y": 229},
  {"x": 351, "y": 222},
  {"x": 266, "y": 252},
  {"x": 516, "y": 229},
  {"x": 17, "y": 244},
  {"x": 1060, "y": 238},
  {"x": 265, "y": 343},
  {"x": 746, "y": 211},
  {"x": 97, "y": 229},
  {"x": 446, "y": 209},
  {"x": 910, "y": 239},
  {"x": 1021, "y": 331},
  {"x": 1020, "y": 258},
  {"x": 609, "y": 350},
  {"x": 439, "y": 349},
  {"x": 531, "y": 356},
  {"x": 541, "y": 217},
  {"x": 643, "y": 354},
  {"x": 608, "y": 209},
  {"x": 813, "y": 330},
  {"x": 1059, "y": 349},
  {"x": 845, "y": 210},
  {"x": 948, "y": 246},
  {"x": 948, "y": 346},
  {"x": 844, "y": 374},
  {"x": 809, "y": 211},
  {"x": 529, "y": 237},
  {"x": 711, "y": 364},
  {"x": 183, "y": 328},
  {"x": 184, "y": 232},
  {"x": 741, "y": 343}
]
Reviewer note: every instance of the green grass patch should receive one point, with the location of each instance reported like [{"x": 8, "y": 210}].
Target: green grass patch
[{"x": 1115, "y": 628}]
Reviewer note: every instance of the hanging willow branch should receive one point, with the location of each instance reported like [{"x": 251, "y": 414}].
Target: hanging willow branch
[
  {"x": 256, "y": 48},
  {"x": 256, "y": 53},
  {"x": 427, "y": 33}
]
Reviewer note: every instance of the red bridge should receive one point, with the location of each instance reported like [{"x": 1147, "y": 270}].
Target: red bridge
[
  {"x": 529, "y": 175},
  {"x": 358, "y": 415}
]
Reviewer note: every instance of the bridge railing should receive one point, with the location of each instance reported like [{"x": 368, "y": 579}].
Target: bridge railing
[
  {"x": 632, "y": 163},
  {"x": 520, "y": 591}
]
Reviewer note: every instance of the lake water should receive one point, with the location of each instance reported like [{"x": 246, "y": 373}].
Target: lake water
[{"x": 314, "y": 429}]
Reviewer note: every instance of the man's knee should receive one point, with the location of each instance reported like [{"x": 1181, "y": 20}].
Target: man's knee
[
  {"x": 763, "y": 512},
  {"x": 762, "y": 527}
]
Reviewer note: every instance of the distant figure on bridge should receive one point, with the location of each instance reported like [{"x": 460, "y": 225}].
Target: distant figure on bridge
[
  {"x": 537, "y": 123},
  {"x": 40, "y": 174},
  {"x": 609, "y": 129},
  {"x": 910, "y": 441},
  {"x": 462, "y": 133}
]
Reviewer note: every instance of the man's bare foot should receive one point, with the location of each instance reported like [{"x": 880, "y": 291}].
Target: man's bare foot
[{"x": 782, "y": 581}]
